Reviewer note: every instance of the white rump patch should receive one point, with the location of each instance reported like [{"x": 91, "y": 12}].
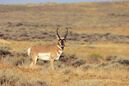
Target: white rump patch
[{"x": 28, "y": 51}]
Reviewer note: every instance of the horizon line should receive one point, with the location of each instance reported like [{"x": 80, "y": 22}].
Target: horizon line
[{"x": 58, "y": 2}]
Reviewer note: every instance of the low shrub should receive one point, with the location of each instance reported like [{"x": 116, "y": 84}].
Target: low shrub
[
  {"x": 4, "y": 51},
  {"x": 95, "y": 58}
]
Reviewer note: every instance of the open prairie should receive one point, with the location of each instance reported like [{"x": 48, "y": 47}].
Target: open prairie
[{"x": 96, "y": 51}]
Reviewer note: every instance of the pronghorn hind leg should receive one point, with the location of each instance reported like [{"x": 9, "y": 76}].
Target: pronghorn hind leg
[{"x": 33, "y": 62}]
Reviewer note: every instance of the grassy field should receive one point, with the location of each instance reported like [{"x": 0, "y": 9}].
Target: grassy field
[{"x": 96, "y": 52}]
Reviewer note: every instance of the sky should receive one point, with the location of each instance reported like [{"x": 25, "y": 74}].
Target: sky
[{"x": 42, "y": 1}]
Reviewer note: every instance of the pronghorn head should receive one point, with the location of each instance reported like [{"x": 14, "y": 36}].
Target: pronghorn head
[{"x": 62, "y": 40}]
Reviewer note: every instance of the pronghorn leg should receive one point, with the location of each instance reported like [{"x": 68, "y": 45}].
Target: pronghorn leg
[
  {"x": 34, "y": 60},
  {"x": 52, "y": 63}
]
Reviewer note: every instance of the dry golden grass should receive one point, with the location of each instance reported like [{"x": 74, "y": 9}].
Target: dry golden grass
[
  {"x": 80, "y": 49},
  {"x": 102, "y": 48},
  {"x": 70, "y": 76}
]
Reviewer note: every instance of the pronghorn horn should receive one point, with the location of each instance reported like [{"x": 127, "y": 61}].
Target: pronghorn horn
[
  {"x": 57, "y": 33},
  {"x": 66, "y": 33}
]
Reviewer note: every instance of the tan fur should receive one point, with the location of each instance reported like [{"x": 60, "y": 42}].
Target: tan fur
[{"x": 53, "y": 49}]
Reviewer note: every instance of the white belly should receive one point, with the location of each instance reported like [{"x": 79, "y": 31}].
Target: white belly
[{"x": 46, "y": 56}]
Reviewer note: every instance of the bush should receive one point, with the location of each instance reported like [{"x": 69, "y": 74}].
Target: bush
[
  {"x": 4, "y": 51},
  {"x": 78, "y": 62},
  {"x": 16, "y": 81},
  {"x": 95, "y": 58},
  {"x": 8, "y": 81},
  {"x": 96, "y": 55}
]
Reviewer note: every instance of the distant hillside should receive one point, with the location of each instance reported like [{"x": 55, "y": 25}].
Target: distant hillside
[
  {"x": 85, "y": 19},
  {"x": 86, "y": 15}
]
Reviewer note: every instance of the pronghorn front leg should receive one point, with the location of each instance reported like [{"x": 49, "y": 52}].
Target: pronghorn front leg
[{"x": 52, "y": 63}]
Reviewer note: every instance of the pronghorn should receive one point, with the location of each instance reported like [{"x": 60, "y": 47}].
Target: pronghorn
[{"x": 49, "y": 52}]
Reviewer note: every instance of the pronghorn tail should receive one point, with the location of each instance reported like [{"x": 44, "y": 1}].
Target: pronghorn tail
[{"x": 28, "y": 51}]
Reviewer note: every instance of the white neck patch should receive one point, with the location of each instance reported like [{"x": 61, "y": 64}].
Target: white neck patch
[{"x": 59, "y": 47}]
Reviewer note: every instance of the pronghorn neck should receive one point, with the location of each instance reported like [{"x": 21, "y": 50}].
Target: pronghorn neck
[{"x": 60, "y": 46}]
